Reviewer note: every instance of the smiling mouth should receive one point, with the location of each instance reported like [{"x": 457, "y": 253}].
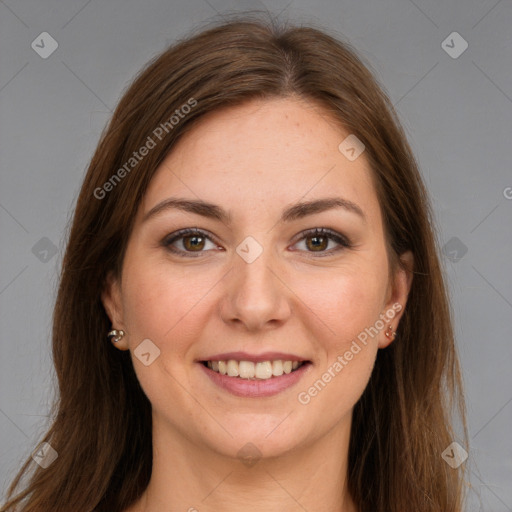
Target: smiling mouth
[{"x": 262, "y": 370}]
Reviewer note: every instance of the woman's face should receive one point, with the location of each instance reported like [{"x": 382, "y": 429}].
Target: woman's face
[{"x": 254, "y": 286}]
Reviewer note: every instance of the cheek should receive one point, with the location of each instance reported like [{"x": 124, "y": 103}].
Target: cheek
[
  {"x": 348, "y": 348},
  {"x": 349, "y": 302},
  {"x": 166, "y": 307},
  {"x": 350, "y": 306}
]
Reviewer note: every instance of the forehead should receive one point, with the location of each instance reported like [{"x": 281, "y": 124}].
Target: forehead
[{"x": 261, "y": 154}]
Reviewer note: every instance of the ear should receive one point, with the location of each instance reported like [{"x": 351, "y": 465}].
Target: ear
[
  {"x": 398, "y": 291},
  {"x": 111, "y": 300}
]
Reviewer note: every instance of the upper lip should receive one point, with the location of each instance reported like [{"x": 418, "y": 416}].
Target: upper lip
[{"x": 255, "y": 358}]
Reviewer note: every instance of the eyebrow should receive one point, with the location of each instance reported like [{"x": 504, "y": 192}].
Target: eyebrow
[{"x": 291, "y": 213}]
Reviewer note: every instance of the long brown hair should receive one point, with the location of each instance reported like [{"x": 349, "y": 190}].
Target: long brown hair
[{"x": 101, "y": 421}]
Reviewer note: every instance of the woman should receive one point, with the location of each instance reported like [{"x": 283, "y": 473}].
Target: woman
[{"x": 251, "y": 309}]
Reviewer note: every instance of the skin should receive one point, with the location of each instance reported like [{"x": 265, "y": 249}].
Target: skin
[{"x": 254, "y": 160}]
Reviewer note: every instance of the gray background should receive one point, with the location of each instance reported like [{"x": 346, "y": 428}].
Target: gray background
[{"x": 457, "y": 113}]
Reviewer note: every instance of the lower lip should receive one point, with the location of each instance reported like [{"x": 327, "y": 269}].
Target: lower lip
[{"x": 258, "y": 387}]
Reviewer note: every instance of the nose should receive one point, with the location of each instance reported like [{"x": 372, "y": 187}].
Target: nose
[{"x": 256, "y": 296}]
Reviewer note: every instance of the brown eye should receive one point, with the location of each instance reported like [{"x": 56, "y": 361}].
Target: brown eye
[
  {"x": 317, "y": 241},
  {"x": 193, "y": 242},
  {"x": 188, "y": 241}
]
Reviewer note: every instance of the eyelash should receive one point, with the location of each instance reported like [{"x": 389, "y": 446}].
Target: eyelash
[{"x": 314, "y": 232}]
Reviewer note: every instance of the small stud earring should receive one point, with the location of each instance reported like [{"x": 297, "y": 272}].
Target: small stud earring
[
  {"x": 390, "y": 333},
  {"x": 115, "y": 335}
]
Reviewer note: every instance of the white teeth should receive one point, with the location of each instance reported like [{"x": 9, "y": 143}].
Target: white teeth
[
  {"x": 246, "y": 369},
  {"x": 277, "y": 368},
  {"x": 262, "y": 370},
  {"x": 223, "y": 367},
  {"x": 232, "y": 368}
]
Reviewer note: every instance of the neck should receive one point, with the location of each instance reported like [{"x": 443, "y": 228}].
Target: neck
[{"x": 195, "y": 478}]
